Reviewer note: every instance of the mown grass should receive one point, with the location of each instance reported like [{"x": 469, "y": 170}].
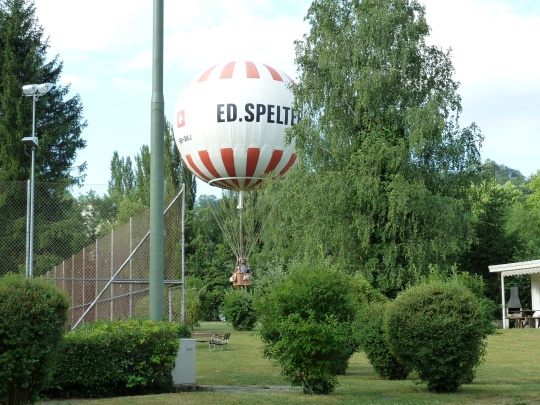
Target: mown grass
[{"x": 509, "y": 375}]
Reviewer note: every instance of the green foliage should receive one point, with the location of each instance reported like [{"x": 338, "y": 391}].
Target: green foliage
[
  {"x": 364, "y": 292},
  {"x": 209, "y": 261},
  {"x": 478, "y": 287},
  {"x": 33, "y": 314},
  {"x": 237, "y": 308},
  {"x": 524, "y": 222},
  {"x": 184, "y": 330},
  {"x": 493, "y": 244},
  {"x": 192, "y": 306},
  {"x": 384, "y": 164},
  {"x": 23, "y": 60},
  {"x": 127, "y": 357},
  {"x": 371, "y": 333},
  {"x": 503, "y": 174},
  {"x": 439, "y": 330},
  {"x": 306, "y": 323},
  {"x": 59, "y": 124}
]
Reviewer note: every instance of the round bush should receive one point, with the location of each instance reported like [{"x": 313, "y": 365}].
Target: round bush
[
  {"x": 33, "y": 316},
  {"x": 237, "y": 308},
  {"x": 371, "y": 333},
  {"x": 306, "y": 325},
  {"x": 438, "y": 330}
]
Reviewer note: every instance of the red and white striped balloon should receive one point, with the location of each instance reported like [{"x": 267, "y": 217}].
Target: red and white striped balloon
[{"x": 230, "y": 123}]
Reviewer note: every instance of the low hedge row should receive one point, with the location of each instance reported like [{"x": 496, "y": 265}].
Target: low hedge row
[{"x": 128, "y": 357}]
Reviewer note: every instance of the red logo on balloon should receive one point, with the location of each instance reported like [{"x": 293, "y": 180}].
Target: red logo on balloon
[{"x": 180, "y": 120}]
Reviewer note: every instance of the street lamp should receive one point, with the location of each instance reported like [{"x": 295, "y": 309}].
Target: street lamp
[{"x": 34, "y": 91}]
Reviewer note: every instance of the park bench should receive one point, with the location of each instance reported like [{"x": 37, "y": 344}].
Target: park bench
[
  {"x": 213, "y": 338},
  {"x": 219, "y": 340}
]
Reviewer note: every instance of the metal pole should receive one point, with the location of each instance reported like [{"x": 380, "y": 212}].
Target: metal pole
[
  {"x": 130, "y": 267},
  {"x": 28, "y": 192},
  {"x": 503, "y": 300},
  {"x": 183, "y": 310},
  {"x": 31, "y": 237},
  {"x": 112, "y": 273},
  {"x": 170, "y": 304},
  {"x": 157, "y": 170}
]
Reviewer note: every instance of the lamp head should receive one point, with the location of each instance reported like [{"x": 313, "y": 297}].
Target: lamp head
[
  {"x": 44, "y": 88},
  {"x": 30, "y": 141},
  {"x": 29, "y": 89},
  {"x": 37, "y": 89}
]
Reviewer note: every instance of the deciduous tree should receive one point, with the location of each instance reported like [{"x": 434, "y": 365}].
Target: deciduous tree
[{"x": 385, "y": 165}]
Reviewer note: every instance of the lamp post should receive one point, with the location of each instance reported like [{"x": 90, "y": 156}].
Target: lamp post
[{"x": 34, "y": 91}]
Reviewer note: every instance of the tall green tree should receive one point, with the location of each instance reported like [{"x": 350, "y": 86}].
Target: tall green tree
[
  {"x": 492, "y": 205},
  {"x": 59, "y": 125},
  {"x": 524, "y": 221},
  {"x": 503, "y": 174},
  {"x": 122, "y": 181},
  {"x": 59, "y": 120},
  {"x": 385, "y": 165}
]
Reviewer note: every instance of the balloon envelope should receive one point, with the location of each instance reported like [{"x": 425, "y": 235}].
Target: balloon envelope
[{"x": 230, "y": 123}]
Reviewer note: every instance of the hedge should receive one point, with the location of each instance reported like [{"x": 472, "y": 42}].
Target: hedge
[{"x": 128, "y": 357}]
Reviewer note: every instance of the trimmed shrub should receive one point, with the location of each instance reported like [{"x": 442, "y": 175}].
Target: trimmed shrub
[
  {"x": 306, "y": 321},
  {"x": 33, "y": 315},
  {"x": 237, "y": 308},
  {"x": 364, "y": 291},
  {"x": 438, "y": 330},
  {"x": 372, "y": 336},
  {"x": 128, "y": 357}
]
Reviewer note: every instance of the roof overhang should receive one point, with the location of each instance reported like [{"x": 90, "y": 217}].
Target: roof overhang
[{"x": 516, "y": 269}]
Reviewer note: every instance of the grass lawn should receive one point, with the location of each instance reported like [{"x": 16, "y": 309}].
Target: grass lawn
[{"x": 509, "y": 375}]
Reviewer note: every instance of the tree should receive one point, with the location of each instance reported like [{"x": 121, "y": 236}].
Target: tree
[
  {"x": 59, "y": 122},
  {"x": 493, "y": 244},
  {"x": 59, "y": 125},
  {"x": 503, "y": 174},
  {"x": 122, "y": 182},
  {"x": 385, "y": 165},
  {"x": 306, "y": 325},
  {"x": 524, "y": 221}
]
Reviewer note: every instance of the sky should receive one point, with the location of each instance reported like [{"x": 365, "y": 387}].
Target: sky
[{"x": 106, "y": 50}]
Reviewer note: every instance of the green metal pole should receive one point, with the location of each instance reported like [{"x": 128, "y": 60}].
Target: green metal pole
[{"x": 157, "y": 170}]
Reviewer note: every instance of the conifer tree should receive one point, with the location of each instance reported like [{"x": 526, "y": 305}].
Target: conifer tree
[{"x": 59, "y": 124}]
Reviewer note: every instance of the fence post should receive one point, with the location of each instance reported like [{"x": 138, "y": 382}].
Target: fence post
[
  {"x": 170, "y": 303},
  {"x": 130, "y": 267},
  {"x": 83, "y": 300},
  {"x": 182, "y": 311},
  {"x": 97, "y": 278},
  {"x": 112, "y": 273},
  {"x": 72, "y": 289}
]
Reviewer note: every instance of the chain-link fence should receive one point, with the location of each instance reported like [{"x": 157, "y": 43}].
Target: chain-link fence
[{"x": 103, "y": 265}]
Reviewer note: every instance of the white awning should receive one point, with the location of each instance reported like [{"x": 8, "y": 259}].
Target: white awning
[{"x": 516, "y": 269}]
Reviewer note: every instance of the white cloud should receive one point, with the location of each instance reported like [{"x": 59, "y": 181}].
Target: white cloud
[{"x": 489, "y": 40}]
